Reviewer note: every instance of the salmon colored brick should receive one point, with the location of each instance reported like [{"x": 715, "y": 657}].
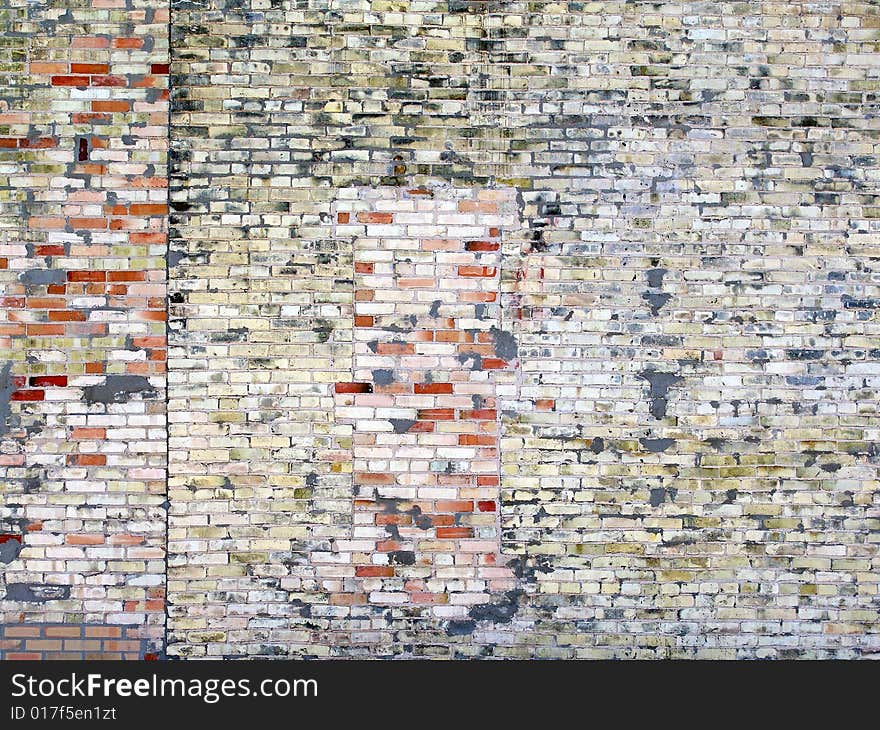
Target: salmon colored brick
[
  {"x": 380, "y": 218},
  {"x": 433, "y": 388},
  {"x": 89, "y": 68}
]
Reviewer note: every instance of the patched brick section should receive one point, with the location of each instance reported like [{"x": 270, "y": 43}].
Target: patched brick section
[
  {"x": 689, "y": 444},
  {"x": 429, "y": 355},
  {"x": 82, "y": 266},
  {"x": 71, "y": 641},
  {"x": 260, "y": 472}
]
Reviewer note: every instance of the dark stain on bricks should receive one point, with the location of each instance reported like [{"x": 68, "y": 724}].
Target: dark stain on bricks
[
  {"x": 461, "y": 627},
  {"x": 660, "y": 383},
  {"x": 501, "y": 612},
  {"x": 383, "y": 376},
  {"x": 42, "y": 277},
  {"x": 175, "y": 256},
  {"x": 402, "y": 425},
  {"x": 7, "y": 388},
  {"x": 402, "y": 557},
  {"x": 656, "y": 300},
  {"x": 659, "y": 494},
  {"x": 655, "y": 277},
  {"x": 862, "y": 303},
  {"x": 36, "y": 592},
  {"x": 597, "y": 445},
  {"x": 656, "y": 445},
  {"x": 801, "y": 354},
  {"x": 10, "y": 547},
  {"x": 475, "y": 358},
  {"x": 504, "y": 344},
  {"x": 435, "y": 308},
  {"x": 118, "y": 389}
]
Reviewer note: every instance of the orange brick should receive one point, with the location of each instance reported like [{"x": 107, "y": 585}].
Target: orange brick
[
  {"x": 81, "y": 81},
  {"x": 66, "y": 316},
  {"x": 148, "y": 209},
  {"x": 454, "y": 505},
  {"x": 87, "y": 459},
  {"x": 127, "y": 43},
  {"x": 432, "y": 388},
  {"x": 477, "y": 271},
  {"x": 111, "y": 106},
  {"x": 84, "y": 539},
  {"x": 374, "y": 571},
  {"x": 63, "y": 632},
  {"x": 381, "y": 218},
  {"x": 88, "y": 433},
  {"x": 89, "y": 68}
]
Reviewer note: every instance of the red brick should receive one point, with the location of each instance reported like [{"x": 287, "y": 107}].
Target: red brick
[
  {"x": 395, "y": 348},
  {"x": 364, "y": 477},
  {"x": 84, "y": 539},
  {"x": 454, "y": 532},
  {"x": 89, "y": 68},
  {"x": 90, "y": 42},
  {"x": 50, "y": 250},
  {"x": 468, "y": 439},
  {"x": 86, "y": 459},
  {"x": 126, "y": 275},
  {"x": 481, "y": 414},
  {"x": 477, "y": 271},
  {"x": 38, "y": 144},
  {"x": 482, "y": 246},
  {"x": 66, "y": 316},
  {"x": 382, "y": 218},
  {"x": 454, "y": 505},
  {"x": 88, "y": 433},
  {"x": 127, "y": 42},
  {"x": 432, "y": 388},
  {"x": 88, "y": 223},
  {"x": 42, "y": 67},
  {"x": 45, "y": 303},
  {"x": 59, "y": 381},
  {"x": 111, "y": 106},
  {"x": 148, "y": 209},
  {"x": 28, "y": 395},
  {"x": 86, "y": 275},
  {"x": 374, "y": 571},
  {"x": 436, "y": 414},
  {"x": 353, "y": 388},
  {"x": 24, "y": 632},
  {"x": 81, "y": 81},
  {"x": 117, "y": 81},
  {"x": 386, "y": 519}
]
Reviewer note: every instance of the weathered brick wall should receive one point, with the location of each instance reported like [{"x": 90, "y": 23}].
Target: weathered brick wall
[
  {"x": 83, "y": 221},
  {"x": 508, "y": 329}
]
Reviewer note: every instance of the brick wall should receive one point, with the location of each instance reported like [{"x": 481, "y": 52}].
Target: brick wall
[
  {"x": 83, "y": 139},
  {"x": 508, "y": 329}
]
